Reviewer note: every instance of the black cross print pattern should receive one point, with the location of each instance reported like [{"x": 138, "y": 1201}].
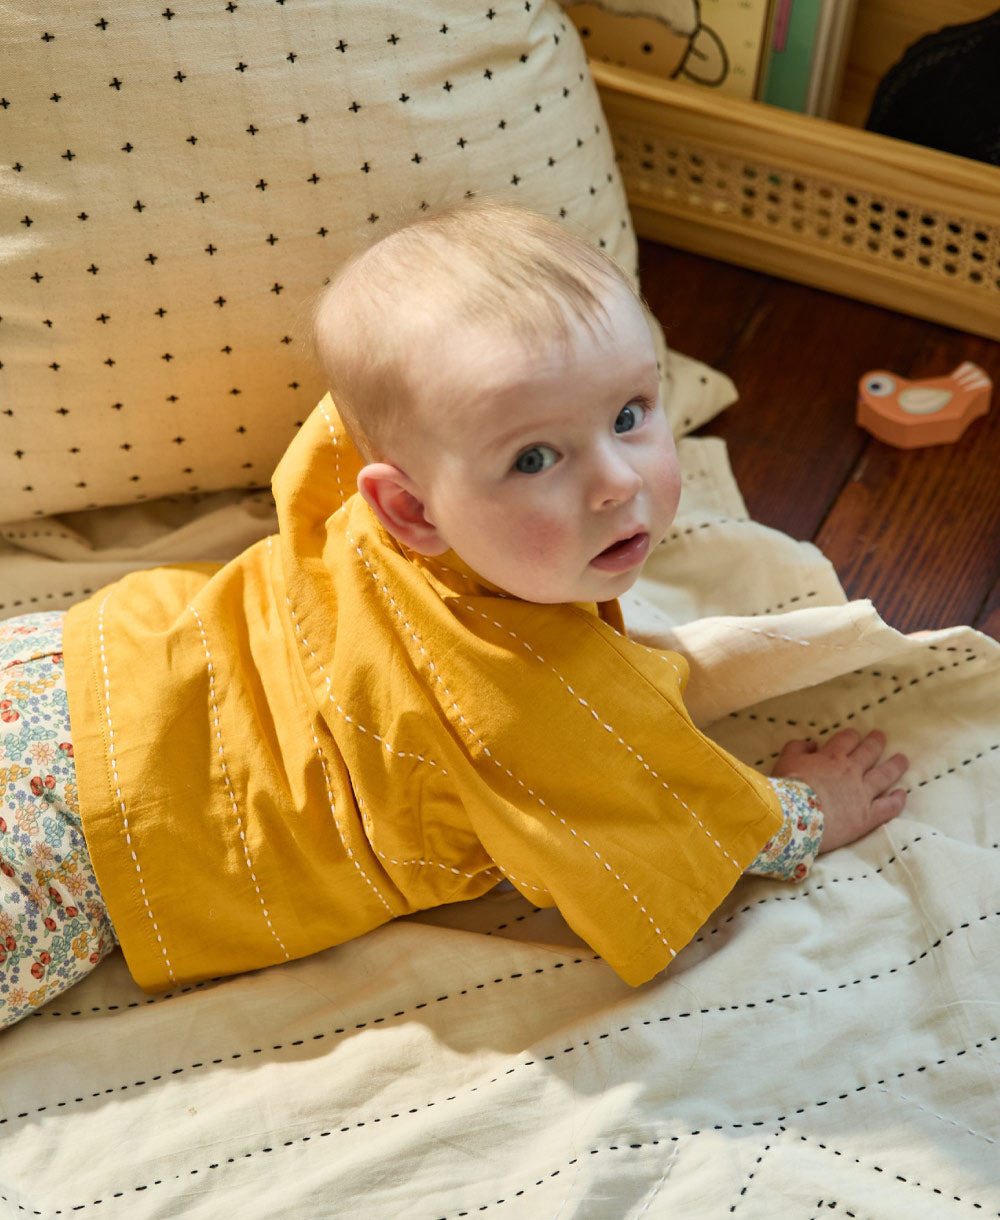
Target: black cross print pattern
[{"x": 182, "y": 179}]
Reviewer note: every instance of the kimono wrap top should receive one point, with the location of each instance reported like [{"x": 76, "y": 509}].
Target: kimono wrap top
[{"x": 280, "y": 753}]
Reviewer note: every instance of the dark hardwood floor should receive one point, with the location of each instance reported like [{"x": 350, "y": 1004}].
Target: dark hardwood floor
[{"x": 917, "y": 531}]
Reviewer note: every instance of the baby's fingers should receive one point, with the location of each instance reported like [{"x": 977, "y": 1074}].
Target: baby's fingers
[
  {"x": 881, "y": 777},
  {"x": 885, "y": 808},
  {"x": 790, "y": 753},
  {"x": 868, "y": 749}
]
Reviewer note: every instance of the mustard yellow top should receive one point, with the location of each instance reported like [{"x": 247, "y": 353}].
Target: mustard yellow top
[{"x": 279, "y": 754}]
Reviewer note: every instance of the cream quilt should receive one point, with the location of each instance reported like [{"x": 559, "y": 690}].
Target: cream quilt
[{"x": 825, "y": 1049}]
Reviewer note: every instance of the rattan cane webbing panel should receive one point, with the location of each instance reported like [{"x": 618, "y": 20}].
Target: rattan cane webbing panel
[
  {"x": 813, "y": 201},
  {"x": 769, "y": 197}
]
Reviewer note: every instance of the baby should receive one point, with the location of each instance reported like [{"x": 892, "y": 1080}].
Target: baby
[{"x": 421, "y": 685}]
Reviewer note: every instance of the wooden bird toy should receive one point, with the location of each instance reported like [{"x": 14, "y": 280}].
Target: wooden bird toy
[{"x": 933, "y": 411}]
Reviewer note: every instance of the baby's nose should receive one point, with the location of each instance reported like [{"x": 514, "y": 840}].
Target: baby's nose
[{"x": 615, "y": 481}]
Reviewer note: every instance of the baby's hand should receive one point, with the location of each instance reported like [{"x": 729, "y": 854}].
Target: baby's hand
[{"x": 852, "y": 781}]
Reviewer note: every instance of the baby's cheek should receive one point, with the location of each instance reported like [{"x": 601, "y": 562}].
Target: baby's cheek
[
  {"x": 544, "y": 542},
  {"x": 667, "y": 480}
]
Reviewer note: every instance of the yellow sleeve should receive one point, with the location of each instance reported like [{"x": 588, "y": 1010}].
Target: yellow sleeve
[{"x": 605, "y": 795}]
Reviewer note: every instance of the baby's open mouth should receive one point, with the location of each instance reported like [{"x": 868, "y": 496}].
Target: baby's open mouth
[{"x": 624, "y": 554}]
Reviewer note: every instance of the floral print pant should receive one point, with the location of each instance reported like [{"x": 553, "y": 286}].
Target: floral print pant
[{"x": 53, "y": 924}]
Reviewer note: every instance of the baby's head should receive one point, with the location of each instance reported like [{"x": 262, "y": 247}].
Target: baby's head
[
  {"x": 497, "y": 374},
  {"x": 494, "y": 268}
]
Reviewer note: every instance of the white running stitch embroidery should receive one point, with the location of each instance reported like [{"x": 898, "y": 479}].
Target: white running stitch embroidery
[
  {"x": 613, "y": 731},
  {"x": 118, "y": 790},
  {"x": 336, "y": 452},
  {"x": 304, "y": 643},
  {"x": 336, "y": 821},
  {"x": 488, "y": 754},
  {"x": 248, "y": 859},
  {"x": 369, "y": 826}
]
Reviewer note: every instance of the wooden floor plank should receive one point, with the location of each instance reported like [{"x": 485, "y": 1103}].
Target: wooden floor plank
[
  {"x": 989, "y": 617},
  {"x": 792, "y": 437},
  {"x": 703, "y": 305},
  {"x": 918, "y": 531}
]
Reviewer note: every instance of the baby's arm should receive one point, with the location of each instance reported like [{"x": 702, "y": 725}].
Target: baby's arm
[{"x": 852, "y": 781}]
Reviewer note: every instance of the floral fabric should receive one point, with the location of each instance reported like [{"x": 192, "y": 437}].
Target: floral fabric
[
  {"x": 53, "y": 925},
  {"x": 789, "y": 854}
]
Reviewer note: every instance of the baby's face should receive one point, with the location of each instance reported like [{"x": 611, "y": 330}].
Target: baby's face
[{"x": 550, "y": 473}]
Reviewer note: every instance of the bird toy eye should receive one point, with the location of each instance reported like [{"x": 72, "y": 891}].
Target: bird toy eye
[{"x": 880, "y": 386}]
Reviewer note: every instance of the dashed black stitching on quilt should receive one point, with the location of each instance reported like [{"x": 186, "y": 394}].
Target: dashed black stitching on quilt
[
  {"x": 22, "y": 535},
  {"x": 753, "y": 1172},
  {"x": 501, "y": 927},
  {"x": 762, "y": 763},
  {"x": 899, "y": 1177},
  {"x": 554, "y": 1173},
  {"x": 47, "y": 1012},
  {"x": 954, "y": 770},
  {"x": 688, "y": 530},
  {"x": 790, "y": 601},
  {"x": 801, "y": 892},
  {"x": 943, "y": 1061},
  {"x": 339, "y": 1031},
  {"x": 28, "y": 604},
  {"x": 269, "y": 1149},
  {"x": 857, "y": 982},
  {"x": 901, "y": 685}
]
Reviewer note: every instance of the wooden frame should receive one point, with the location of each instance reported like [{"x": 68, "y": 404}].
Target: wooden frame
[{"x": 843, "y": 209}]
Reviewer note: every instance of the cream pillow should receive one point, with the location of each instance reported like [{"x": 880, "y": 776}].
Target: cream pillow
[{"x": 179, "y": 181}]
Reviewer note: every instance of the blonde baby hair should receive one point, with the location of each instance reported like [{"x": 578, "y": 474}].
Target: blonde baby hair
[{"x": 479, "y": 265}]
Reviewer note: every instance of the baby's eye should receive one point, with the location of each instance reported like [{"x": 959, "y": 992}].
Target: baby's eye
[
  {"x": 538, "y": 457},
  {"x": 629, "y": 417}
]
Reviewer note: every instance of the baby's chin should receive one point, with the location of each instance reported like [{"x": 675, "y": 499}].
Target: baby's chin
[
  {"x": 585, "y": 592},
  {"x": 591, "y": 585}
]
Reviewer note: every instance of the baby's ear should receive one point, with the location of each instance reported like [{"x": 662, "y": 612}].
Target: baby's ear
[{"x": 394, "y": 499}]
